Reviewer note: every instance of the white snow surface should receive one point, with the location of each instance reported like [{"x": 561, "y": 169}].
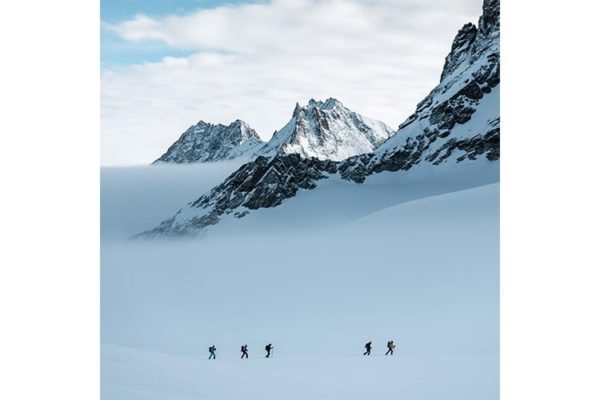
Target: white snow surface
[
  {"x": 328, "y": 131},
  {"x": 410, "y": 256}
]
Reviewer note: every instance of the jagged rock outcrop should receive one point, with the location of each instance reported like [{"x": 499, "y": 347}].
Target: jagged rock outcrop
[
  {"x": 205, "y": 142},
  {"x": 460, "y": 49},
  {"x": 328, "y": 131},
  {"x": 457, "y": 122}
]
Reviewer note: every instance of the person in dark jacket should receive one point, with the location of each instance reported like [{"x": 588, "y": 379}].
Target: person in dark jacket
[
  {"x": 212, "y": 350},
  {"x": 268, "y": 348},
  {"x": 244, "y": 351},
  {"x": 368, "y": 348},
  {"x": 390, "y": 346}
]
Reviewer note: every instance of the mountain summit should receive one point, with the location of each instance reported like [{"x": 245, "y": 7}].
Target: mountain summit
[
  {"x": 328, "y": 131},
  {"x": 205, "y": 142}
]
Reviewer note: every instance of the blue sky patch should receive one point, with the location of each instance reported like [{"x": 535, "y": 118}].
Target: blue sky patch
[{"x": 116, "y": 52}]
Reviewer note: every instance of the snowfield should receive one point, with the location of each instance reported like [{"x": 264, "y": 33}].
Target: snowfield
[
  {"x": 139, "y": 374},
  {"x": 409, "y": 256}
]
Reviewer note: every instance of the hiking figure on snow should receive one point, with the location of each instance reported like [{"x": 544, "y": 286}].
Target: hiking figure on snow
[
  {"x": 368, "y": 348},
  {"x": 268, "y": 348},
  {"x": 212, "y": 350},
  {"x": 390, "y": 346},
  {"x": 244, "y": 351}
]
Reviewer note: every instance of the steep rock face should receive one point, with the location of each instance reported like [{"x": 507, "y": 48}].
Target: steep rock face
[
  {"x": 205, "y": 142},
  {"x": 460, "y": 49},
  {"x": 328, "y": 131},
  {"x": 457, "y": 122}
]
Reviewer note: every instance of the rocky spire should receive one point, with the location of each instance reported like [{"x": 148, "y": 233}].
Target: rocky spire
[
  {"x": 296, "y": 110},
  {"x": 471, "y": 40}
]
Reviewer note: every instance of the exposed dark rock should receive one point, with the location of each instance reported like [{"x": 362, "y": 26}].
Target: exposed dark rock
[
  {"x": 489, "y": 21},
  {"x": 262, "y": 183},
  {"x": 472, "y": 148},
  {"x": 460, "y": 48}
]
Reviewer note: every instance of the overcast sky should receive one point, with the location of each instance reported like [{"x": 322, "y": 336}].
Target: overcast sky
[{"x": 168, "y": 64}]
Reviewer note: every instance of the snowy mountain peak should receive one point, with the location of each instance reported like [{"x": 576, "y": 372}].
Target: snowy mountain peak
[
  {"x": 246, "y": 132},
  {"x": 328, "y": 104},
  {"x": 328, "y": 131},
  {"x": 205, "y": 142},
  {"x": 472, "y": 41}
]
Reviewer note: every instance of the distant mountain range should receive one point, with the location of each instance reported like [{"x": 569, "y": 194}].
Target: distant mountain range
[
  {"x": 457, "y": 122},
  {"x": 324, "y": 130}
]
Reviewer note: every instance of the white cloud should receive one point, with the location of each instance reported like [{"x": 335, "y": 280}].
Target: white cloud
[{"x": 255, "y": 61}]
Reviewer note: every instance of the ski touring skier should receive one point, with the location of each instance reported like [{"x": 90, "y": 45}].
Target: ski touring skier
[
  {"x": 268, "y": 348},
  {"x": 390, "y": 346},
  {"x": 244, "y": 351},
  {"x": 212, "y": 350},
  {"x": 368, "y": 347}
]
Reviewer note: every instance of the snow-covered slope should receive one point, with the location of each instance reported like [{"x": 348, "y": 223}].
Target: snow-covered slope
[
  {"x": 423, "y": 272},
  {"x": 328, "y": 131},
  {"x": 458, "y": 122},
  {"x": 206, "y": 142}
]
